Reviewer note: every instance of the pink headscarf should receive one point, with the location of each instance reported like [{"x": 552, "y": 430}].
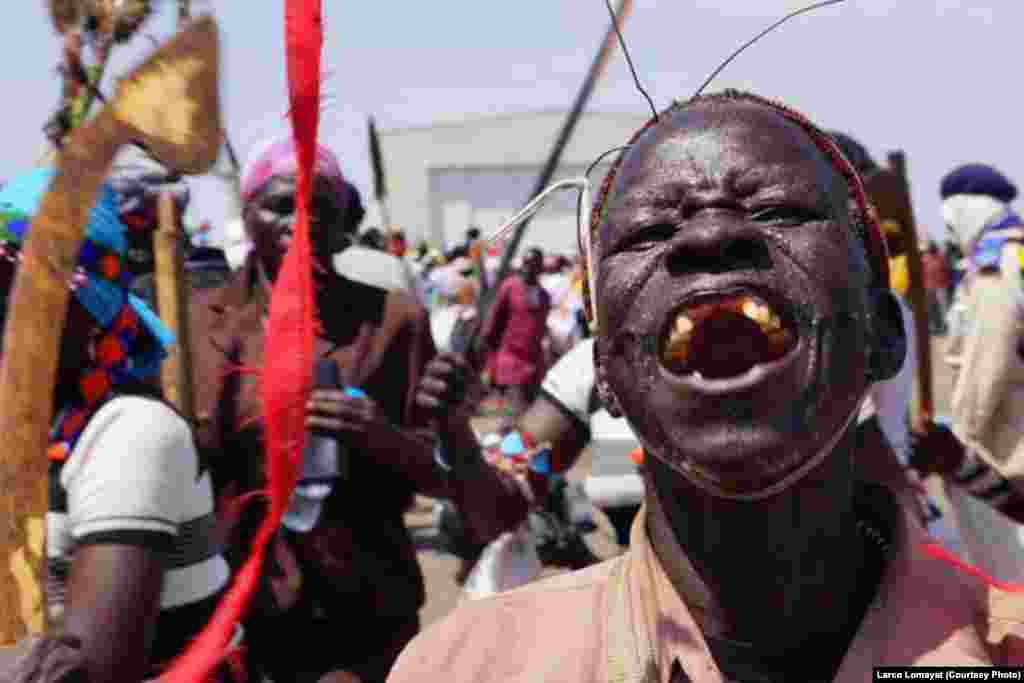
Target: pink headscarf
[{"x": 278, "y": 157}]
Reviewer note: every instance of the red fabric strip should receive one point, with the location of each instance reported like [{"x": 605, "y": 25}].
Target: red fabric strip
[
  {"x": 287, "y": 375},
  {"x": 940, "y": 553}
]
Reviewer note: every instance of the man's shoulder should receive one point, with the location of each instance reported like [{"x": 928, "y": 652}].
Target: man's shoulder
[{"x": 507, "y": 636}]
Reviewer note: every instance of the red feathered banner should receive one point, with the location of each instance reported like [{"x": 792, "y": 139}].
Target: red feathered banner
[{"x": 287, "y": 374}]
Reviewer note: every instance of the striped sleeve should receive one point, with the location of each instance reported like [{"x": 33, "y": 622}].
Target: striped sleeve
[
  {"x": 981, "y": 481},
  {"x": 129, "y": 478}
]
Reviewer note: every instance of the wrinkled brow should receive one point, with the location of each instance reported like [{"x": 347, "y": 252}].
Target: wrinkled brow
[{"x": 766, "y": 181}]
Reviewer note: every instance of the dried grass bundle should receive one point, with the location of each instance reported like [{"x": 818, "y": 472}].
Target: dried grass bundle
[
  {"x": 65, "y": 14},
  {"x": 119, "y": 19}
]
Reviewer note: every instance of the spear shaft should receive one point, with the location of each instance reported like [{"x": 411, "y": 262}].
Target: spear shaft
[
  {"x": 551, "y": 165},
  {"x": 380, "y": 187}
]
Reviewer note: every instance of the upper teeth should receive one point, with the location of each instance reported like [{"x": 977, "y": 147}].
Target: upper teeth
[
  {"x": 677, "y": 348},
  {"x": 762, "y": 315}
]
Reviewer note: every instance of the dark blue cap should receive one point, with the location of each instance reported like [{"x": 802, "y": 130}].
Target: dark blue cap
[{"x": 978, "y": 179}]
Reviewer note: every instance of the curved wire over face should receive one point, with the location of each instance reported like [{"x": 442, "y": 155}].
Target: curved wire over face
[
  {"x": 583, "y": 236},
  {"x": 598, "y": 160},
  {"x": 629, "y": 60},
  {"x": 759, "y": 36}
]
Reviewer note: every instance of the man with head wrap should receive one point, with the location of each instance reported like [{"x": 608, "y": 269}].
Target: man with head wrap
[
  {"x": 743, "y": 311},
  {"x": 133, "y": 570},
  {"x": 988, "y": 402},
  {"x": 348, "y": 590},
  {"x": 987, "y": 470}
]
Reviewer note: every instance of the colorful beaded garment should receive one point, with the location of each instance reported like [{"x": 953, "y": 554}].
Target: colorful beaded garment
[{"x": 112, "y": 350}]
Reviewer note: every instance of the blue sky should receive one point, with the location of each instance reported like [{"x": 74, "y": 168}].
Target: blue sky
[{"x": 931, "y": 77}]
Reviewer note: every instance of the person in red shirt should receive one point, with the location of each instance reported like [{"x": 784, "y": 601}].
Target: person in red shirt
[
  {"x": 397, "y": 245},
  {"x": 513, "y": 335}
]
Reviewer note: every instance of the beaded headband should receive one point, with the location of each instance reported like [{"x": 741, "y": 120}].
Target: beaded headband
[{"x": 864, "y": 216}]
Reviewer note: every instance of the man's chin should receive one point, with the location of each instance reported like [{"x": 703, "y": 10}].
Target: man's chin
[{"x": 736, "y": 461}]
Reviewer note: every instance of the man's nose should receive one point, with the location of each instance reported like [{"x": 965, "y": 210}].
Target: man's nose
[{"x": 718, "y": 242}]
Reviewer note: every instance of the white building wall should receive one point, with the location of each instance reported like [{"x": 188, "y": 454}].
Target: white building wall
[{"x": 517, "y": 142}]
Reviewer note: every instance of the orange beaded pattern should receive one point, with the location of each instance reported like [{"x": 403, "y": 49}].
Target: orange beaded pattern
[{"x": 111, "y": 352}]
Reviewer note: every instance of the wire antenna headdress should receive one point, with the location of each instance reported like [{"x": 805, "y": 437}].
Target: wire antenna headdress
[{"x": 582, "y": 184}]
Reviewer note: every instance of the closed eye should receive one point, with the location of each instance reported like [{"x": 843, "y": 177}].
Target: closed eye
[
  {"x": 787, "y": 215},
  {"x": 644, "y": 238}
]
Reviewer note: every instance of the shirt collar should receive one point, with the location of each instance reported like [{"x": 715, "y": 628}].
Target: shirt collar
[{"x": 924, "y": 614}]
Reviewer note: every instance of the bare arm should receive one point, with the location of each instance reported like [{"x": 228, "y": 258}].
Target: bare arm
[
  {"x": 112, "y": 604},
  {"x": 127, "y": 486},
  {"x": 547, "y": 422}
]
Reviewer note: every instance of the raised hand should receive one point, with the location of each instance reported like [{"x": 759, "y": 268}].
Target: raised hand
[
  {"x": 935, "y": 450},
  {"x": 450, "y": 387}
]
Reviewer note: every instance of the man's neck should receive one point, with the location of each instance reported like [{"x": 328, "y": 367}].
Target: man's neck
[{"x": 776, "y": 573}]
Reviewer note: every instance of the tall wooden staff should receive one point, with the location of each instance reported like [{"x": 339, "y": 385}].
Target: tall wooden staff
[
  {"x": 171, "y": 284},
  {"x": 553, "y": 160},
  {"x": 889, "y": 191},
  {"x": 171, "y": 105},
  {"x": 109, "y": 22}
]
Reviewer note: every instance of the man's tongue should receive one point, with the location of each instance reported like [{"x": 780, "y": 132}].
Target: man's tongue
[{"x": 725, "y": 337}]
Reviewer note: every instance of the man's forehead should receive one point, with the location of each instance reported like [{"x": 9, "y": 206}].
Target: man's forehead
[
  {"x": 286, "y": 182},
  {"x": 741, "y": 142}
]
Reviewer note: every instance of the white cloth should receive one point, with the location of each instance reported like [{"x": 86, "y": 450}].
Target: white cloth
[
  {"x": 968, "y": 214},
  {"x": 133, "y": 477},
  {"x": 613, "y": 479},
  {"x": 571, "y": 380},
  {"x": 375, "y": 268},
  {"x": 508, "y": 562},
  {"x": 236, "y": 244}
]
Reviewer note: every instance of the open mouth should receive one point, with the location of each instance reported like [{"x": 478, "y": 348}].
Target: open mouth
[{"x": 724, "y": 336}]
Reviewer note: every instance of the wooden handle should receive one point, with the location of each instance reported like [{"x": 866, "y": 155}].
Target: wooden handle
[
  {"x": 32, "y": 334},
  {"x": 171, "y": 283},
  {"x": 170, "y": 104},
  {"x": 924, "y": 405}
]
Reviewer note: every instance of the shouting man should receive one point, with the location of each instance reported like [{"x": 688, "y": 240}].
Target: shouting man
[{"x": 743, "y": 314}]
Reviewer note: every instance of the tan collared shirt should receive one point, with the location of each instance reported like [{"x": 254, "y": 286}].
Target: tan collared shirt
[{"x": 623, "y": 621}]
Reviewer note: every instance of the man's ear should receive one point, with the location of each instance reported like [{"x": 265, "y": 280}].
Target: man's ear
[
  {"x": 889, "y": 338},
  {"x": 604, "y": 390}
]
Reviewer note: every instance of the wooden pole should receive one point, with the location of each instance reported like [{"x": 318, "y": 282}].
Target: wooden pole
[
  {"x": 171, "y": 284},
  {"x": 924, "y": 404},
  {"x": 551, "y": 165},
  {"x": 184, "y": 12},
  {"x": 179, "y": 81}
]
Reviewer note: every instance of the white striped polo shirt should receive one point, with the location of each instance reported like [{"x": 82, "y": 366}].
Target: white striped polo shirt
[{"x": 134, "y": 478}]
